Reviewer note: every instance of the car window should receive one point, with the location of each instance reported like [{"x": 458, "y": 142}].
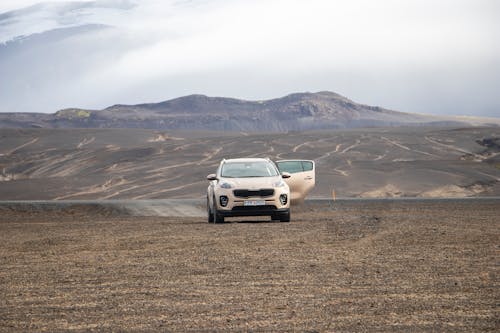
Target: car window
[
  {"x": 290, "y": 166},
  {"x": 248, "y": 169},
  {"x": 295, "y": 166},
  {"x": 307, "y": 166}
]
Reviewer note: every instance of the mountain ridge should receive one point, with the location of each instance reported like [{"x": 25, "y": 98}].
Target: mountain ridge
[{"x": 296, "y": 111}]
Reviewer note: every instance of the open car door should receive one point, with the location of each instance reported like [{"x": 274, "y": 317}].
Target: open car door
[{"x": 303, "y": 177}]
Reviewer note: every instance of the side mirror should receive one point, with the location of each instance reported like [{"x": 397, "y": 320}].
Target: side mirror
[
  {"x": 212, "y": 176},
  {"x": 285, "y": 175}
]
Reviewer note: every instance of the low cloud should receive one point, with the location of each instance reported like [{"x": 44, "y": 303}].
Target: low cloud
[{"x": 420, "y": 56}]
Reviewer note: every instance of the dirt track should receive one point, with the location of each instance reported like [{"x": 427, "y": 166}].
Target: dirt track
[{"x": 407, "y": 266}]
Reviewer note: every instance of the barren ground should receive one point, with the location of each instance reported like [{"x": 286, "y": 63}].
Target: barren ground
[
  {"x": 89, "y": 164},
  {"x": 352, "y": 266}
]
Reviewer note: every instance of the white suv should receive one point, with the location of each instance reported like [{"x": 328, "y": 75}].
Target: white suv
[{"x": 257, "y": 187}]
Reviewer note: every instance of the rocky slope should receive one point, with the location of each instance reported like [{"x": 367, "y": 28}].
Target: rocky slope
[{"x": 299, "y": 111}]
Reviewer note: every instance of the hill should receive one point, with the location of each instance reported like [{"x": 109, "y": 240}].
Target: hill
[{"x": 294, "y": 112}]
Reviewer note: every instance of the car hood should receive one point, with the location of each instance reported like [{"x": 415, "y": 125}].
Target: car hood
[{"x": 253, "y": 182}]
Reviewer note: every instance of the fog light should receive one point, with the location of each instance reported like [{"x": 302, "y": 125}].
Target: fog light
[
  {"x": 283, "y": 199},
  {"x": 223, "y": 200}
]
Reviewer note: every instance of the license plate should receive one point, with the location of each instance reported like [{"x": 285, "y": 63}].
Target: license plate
[{"x": 254, "y": 202}]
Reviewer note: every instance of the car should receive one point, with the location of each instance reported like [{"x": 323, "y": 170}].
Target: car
[{"x": 257, "y": 187}]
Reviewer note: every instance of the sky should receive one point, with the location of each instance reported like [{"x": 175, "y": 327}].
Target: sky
[{"x": 436, "y": 57}]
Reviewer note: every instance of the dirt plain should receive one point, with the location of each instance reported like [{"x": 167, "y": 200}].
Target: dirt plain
[
  {"x": 348, "y": 266},
  {"x": 90, "y": 164}
]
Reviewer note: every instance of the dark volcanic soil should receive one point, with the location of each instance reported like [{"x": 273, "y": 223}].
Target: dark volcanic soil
[
  {"x": 89, "y": 164},
  {"x": 374, "y": 266}
]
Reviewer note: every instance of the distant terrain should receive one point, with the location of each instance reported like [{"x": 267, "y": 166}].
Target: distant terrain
[
  {"x": 295, "y": 112},
  {"x": 79, "y": 164}
]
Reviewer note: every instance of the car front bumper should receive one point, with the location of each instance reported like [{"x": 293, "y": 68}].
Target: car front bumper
[
  {"x": 236, "y": 205},
  {"x": 267, "y": 210}
]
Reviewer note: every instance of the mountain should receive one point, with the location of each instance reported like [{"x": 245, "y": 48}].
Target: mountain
[{"x": 294, "y": 112}]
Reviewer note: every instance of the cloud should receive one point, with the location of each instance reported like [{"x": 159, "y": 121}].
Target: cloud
[
  {"x": 42, "y": 17},
  {"x": 415, "y": 55}
]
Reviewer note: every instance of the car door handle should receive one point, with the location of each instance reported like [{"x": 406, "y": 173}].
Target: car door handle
[{"x": 308, "y": 178}]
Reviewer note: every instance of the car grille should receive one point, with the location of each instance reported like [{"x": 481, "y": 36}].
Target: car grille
[
  {"x": 254, "y": 208},
  {"x": 265, "y": 192}
]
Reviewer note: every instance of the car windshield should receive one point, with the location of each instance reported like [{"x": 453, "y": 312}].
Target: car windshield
[{"x": 248, "y": 169}]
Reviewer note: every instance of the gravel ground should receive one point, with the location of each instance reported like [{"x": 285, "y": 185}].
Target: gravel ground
[{"x": 354, "y": 266}]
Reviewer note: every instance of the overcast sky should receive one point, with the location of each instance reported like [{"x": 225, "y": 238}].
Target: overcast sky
[{"x": 426, "y": 56}]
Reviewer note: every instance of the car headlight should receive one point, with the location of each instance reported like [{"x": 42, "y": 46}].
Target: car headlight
[
  {"x": 226, "y": 185},
  {"x": 279, "y": 183}
]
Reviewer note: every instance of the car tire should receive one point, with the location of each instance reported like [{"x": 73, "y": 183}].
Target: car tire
[
  {"x": 285, "y": 217},
  {"x": 218, "y": 218},
  {"x": 210, "y": 213}
]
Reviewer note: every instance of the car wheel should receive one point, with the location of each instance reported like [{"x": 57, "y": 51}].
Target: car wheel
[
  {"x": 285, "y": 217},
  {"x": 210, "y": 213},
  {"x": 218, "y": 218}
]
